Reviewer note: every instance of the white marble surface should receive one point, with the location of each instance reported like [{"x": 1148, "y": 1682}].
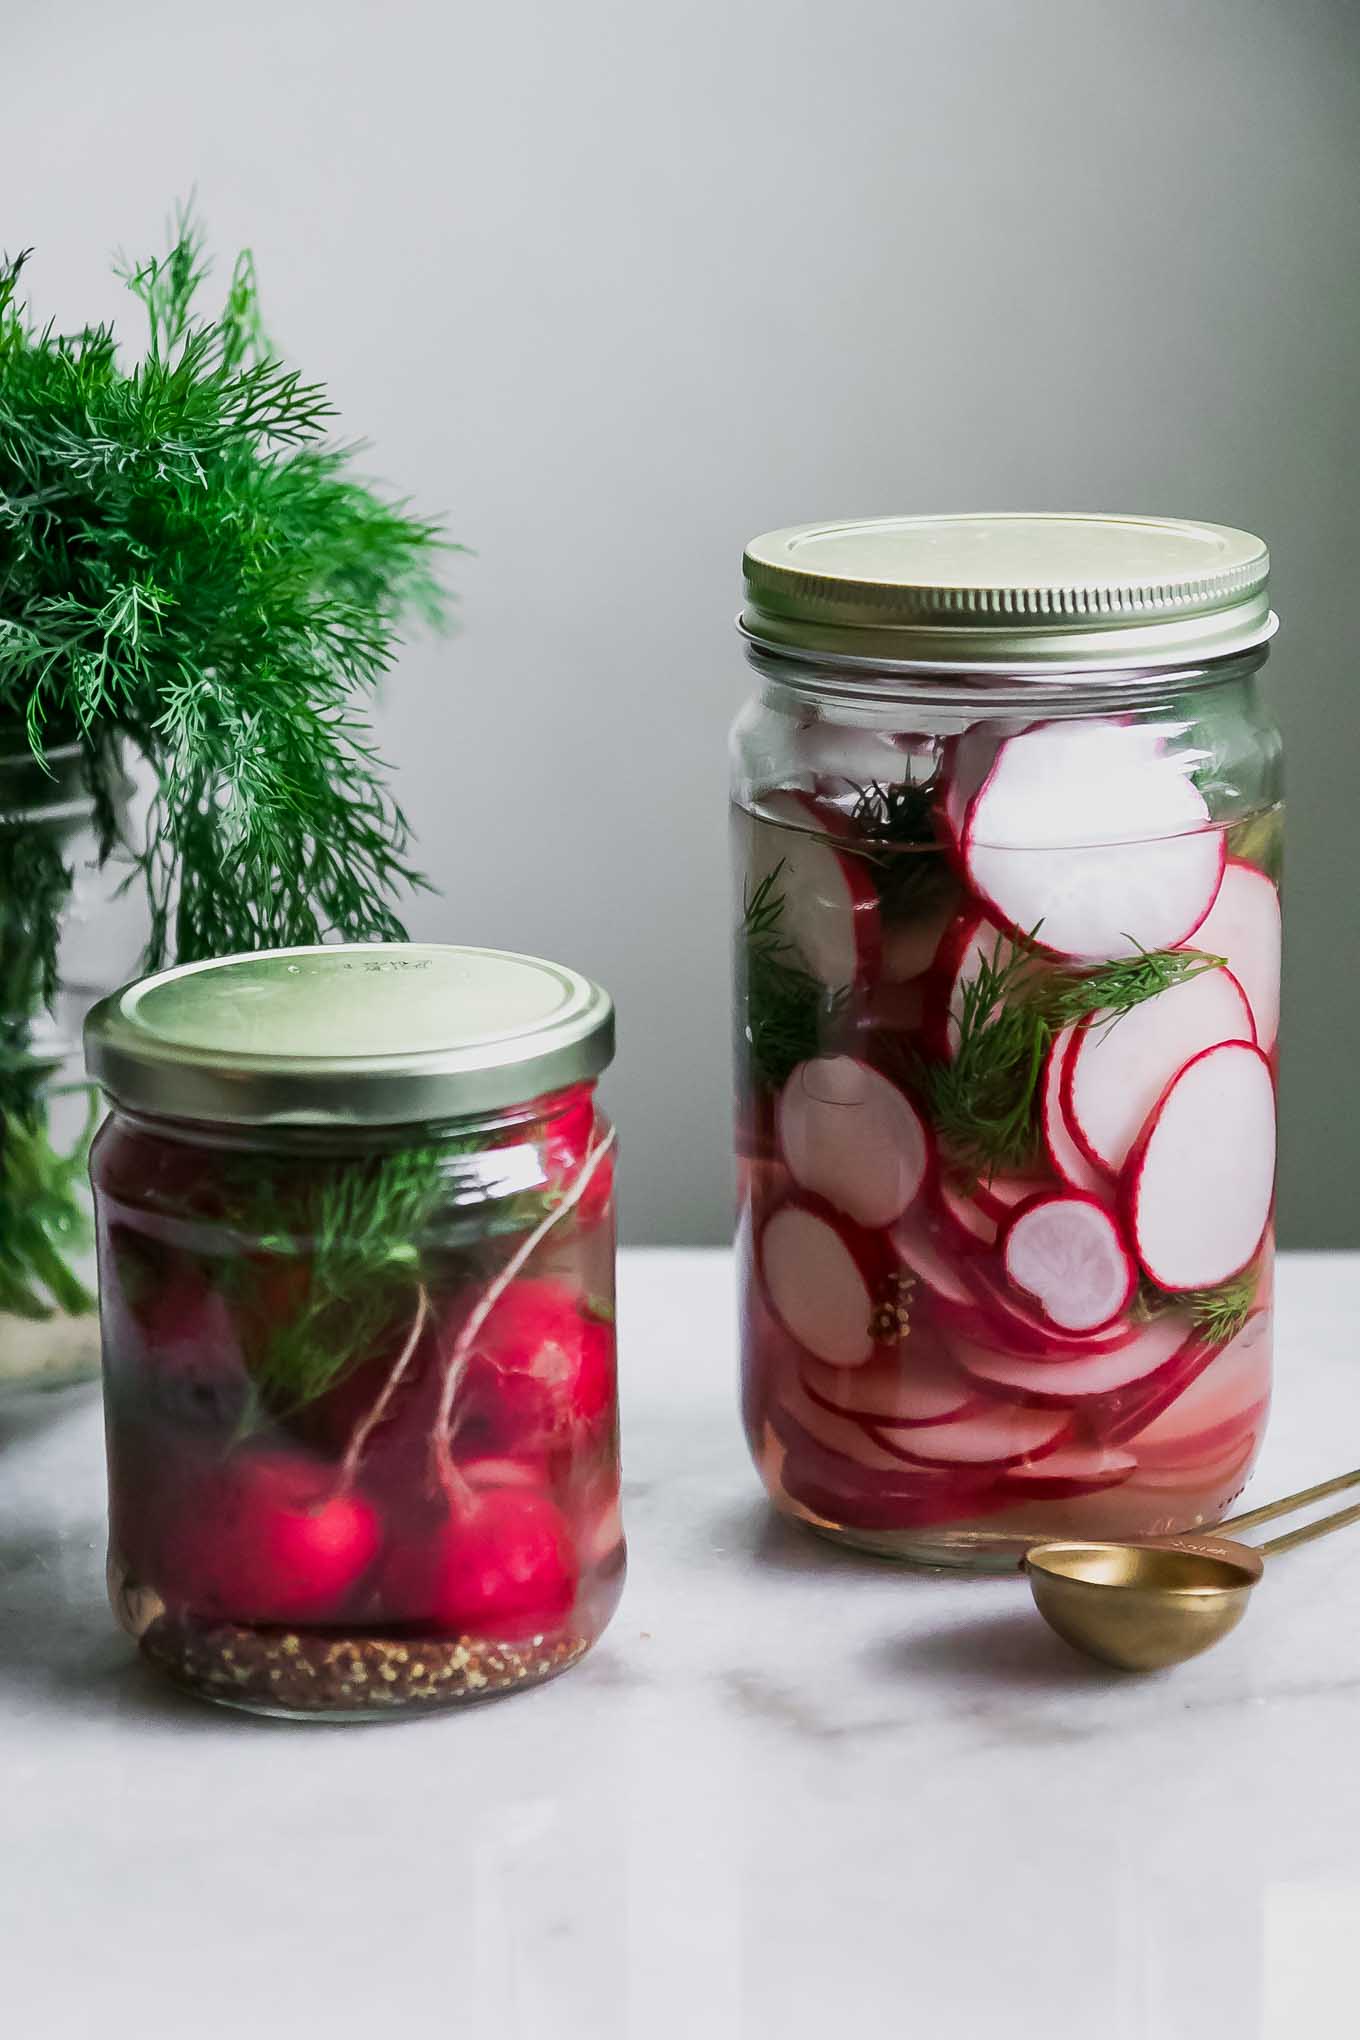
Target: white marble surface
[{"x": 792, "y": 1793}]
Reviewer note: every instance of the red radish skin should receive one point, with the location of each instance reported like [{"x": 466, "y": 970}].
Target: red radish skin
[
  {"x": 919, "y": 1386},
  {"x": 1243, "y": 924},
  {"x": 826, "y": 1280},
  {"x": 1010, "y": 1323},
  {"x": 830, "y": 900},
  {"x": 1117, "y": 1069},
  {"x": 969, "y": 759},
  {"x": 850, "y": 1136},
  {"x": 1156, "y": 1354},
  {"x": 264, "y": 1537},
  {"x": 1065, "y": 1156},
  {"x": 1228, "y": 1395},
  {"x": 971, "y": 1224},
  {"x": 1001, "y": 1196},
  {"x": 502, "y": 1565},
  {"x": 1199, "y": 1184},
  {"x": 857, "y": 1442},
  {"x": 1148, "y": 866},
  {"x": 542, "y": 1369},
  {"x": 1072, "y": 1471},
  {"x": 1064, "y": 1252},
  {"x": 1003, "y": 1435}
]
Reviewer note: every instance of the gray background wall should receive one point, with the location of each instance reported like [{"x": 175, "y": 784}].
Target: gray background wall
[{"x": 618, "y": 284}]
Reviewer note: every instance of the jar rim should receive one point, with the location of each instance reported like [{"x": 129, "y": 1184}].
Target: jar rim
[
  {"x": 1019, "y": 594},
  {"x": 349, "y": 1034}
]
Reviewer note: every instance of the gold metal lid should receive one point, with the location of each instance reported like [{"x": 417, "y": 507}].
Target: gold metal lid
[
  {"x": 359, "y": 1034},
  {"x": 1009, "y": 593}
]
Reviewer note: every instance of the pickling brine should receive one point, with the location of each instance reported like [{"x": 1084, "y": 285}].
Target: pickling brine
[{"x": 1008, "y": 1007}]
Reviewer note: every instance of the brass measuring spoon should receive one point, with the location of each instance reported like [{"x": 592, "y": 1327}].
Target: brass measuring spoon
[{"x": 1143, "y": 1606}]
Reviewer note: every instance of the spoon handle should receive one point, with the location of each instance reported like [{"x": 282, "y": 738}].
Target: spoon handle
[
  {"x": 1288, "y": 1503},
  {"x": 1322, "y": 1528}
]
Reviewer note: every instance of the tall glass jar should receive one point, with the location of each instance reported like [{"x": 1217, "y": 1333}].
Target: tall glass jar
[
  {"x": 1008, "y": 839},
  {"x": 59, "y": 930},
  {"x": 356, "y": 1244}
]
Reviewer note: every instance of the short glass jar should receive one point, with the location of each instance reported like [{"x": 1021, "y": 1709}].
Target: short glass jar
[
  {"x": 1008, "y": 840},
  {"x": 356, "y": 1255}
]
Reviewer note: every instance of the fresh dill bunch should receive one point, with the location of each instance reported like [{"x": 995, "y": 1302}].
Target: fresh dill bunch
[
  {"x": 338, "y": 1257},
  {"x": 1114, "y": 989},
  {"x": 786, "y": 1010},
  {"x": 1219, "y": 1314},
  {"x": 984, "y": 1100},
  {"x": 188, "y": 568},
  {"x": 910, "y": 869}
]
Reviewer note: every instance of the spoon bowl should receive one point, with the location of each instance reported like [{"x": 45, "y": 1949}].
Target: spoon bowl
[{"x": 1143, "y": 1607}]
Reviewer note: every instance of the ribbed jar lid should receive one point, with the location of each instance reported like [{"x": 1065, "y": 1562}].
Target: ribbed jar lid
[
  {"x": 360, "y": 1034},
  {"x": 1000, "y": 593}
]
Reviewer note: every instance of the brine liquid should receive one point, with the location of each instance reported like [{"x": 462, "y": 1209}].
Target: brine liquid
[{"x": 1165, "y": 1451}]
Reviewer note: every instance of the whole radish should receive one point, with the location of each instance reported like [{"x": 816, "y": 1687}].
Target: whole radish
[
  {"x": 542, "y": 1369},
  {"x": 500, "y": 1564}
]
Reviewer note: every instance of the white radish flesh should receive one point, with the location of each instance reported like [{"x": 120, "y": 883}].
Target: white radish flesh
[
  {"x": 923, "y": 1255},
  {"x": 850, "y": 1136},
  {"x": 1066, "y": 1254},
  {"x": 1200, "y": 1182},
  {"x": 1091, "y": 833},
  {"x": 817, "y": 1277},
  {"x": 1156, "y": 1350},
  {"x": 1076, "y": 1169},
  {"x": 919, "y": 1385},
  {"x": 999, "y": 1196},
  {"x": 1243, "y": 924},
  {"x": 1004, "y": 1435},
  {"x": 830, "y": 901},
  {"x": 969, "y": 1220},
  {"x": 1118, "y": 1067}
]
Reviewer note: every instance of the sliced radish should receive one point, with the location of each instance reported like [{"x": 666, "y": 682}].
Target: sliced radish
[
  {"x": 969, "y": 943},
  {"x": 856, "y": 1442},
  {"x": 1013, "y": 1324},
  {"x": 1200, "y": 1181},
  {"x": 1221, "y": 1477},
  {"x": 830, "y": 899},
  {"x": 1243, "y": 924},
  {"x": 999, "y": 1196},
  {"x": 1065, "y": 1252},
  {"x": 924, "y": 1253},
  {"x": 826, "y": 1279},
  {"x": 850, "y": 1136},
  {"x": 1071, "y": 1471},
  {"x": 1090, "y": 832},
  {"x": 1004, "y": 1435},
  {"x": 1075, "y": 1168},
  {"x": 1155, "y": 1353},
  {"x": 969, "y": 759},
  {"x": 1117, "y": 1068},
  {"x": 919, "y": 1386},
  {"x": 970, "y": 1221},
  {"x": 910, "y": 948},
  {"x": 1225, "y": 1398}
]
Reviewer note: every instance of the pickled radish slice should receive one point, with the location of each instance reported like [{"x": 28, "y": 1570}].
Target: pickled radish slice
[
  {"x": 1076, "y": 1169},
  {"x": 849, "y": 1135},
  {"x": 1003, "y": 1435},
  {"x": 830, "y": 902},
  {"x": 1156, "y": 1351},
  {"x": 1148, "y": 866},
  {"x": 1200, "y": 1182},
  {"x": 919, "y": 1385},
  {"x": 822, "y": 1276},
  {"x": 999, "y": 1196},
  {"x": 968, "y": 762},
  {"x": 967, "y": 1216},
  {"x": 1117, "y": 1068},
  {"x": 923, "y": 1255},
  {"x": 1014, "y": 1324},
  {"x": 1066, "y": 1253},
  {"x": 1222, "y": 1400},
  {"x": 1070, "y": 1471},
  {"x": 854, "y": 1440},
  {"x": 970, "y": 944},
  {"x": 1243, "y": 924}
]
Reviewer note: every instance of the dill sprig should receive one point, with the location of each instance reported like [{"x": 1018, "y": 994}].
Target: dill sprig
[
  {"x": 189, "y": 571},
  {"x": 1219, "y": 1314},
  {"x": 341, "y": 1261},
  {"x": 1113, "y": 989},
  {"x": 911, "y": 871},
  {"x": 984, "y": 1100},
  {"x": 786, "y": 1010}
]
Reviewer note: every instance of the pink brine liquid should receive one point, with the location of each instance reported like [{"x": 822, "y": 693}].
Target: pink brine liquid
[{"x": 1006, "y": 1152}]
